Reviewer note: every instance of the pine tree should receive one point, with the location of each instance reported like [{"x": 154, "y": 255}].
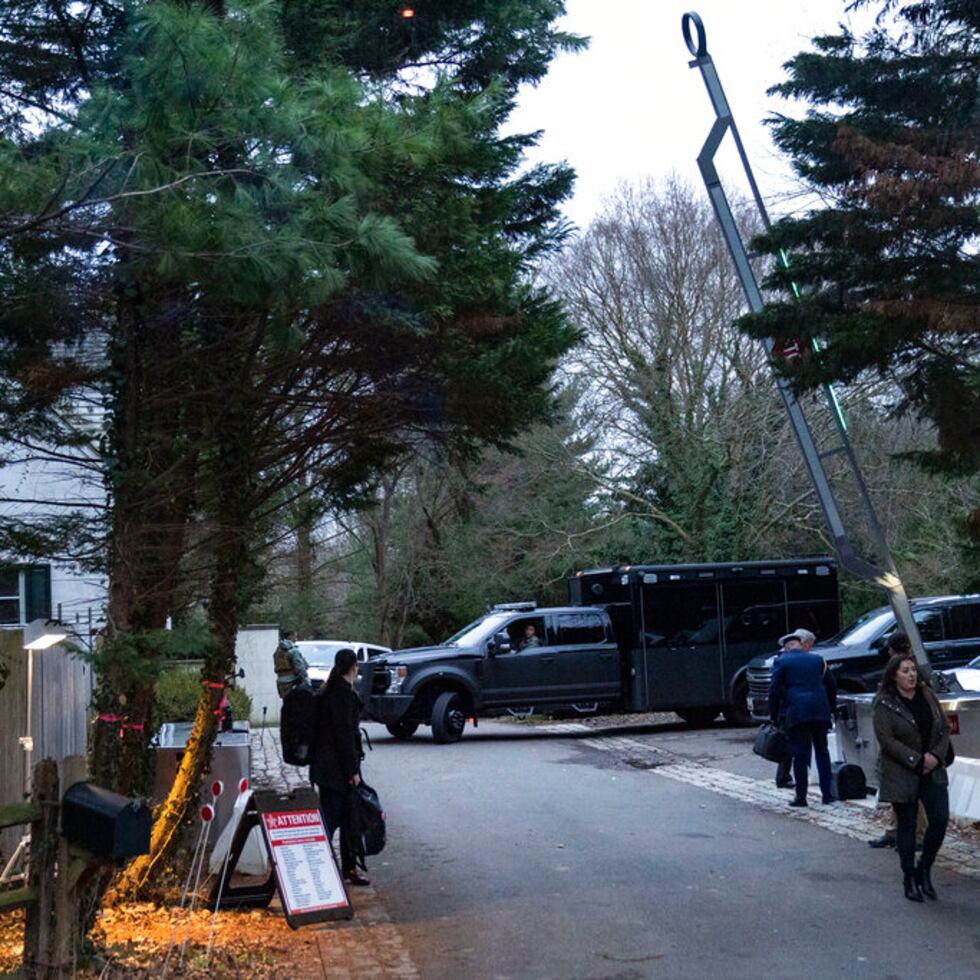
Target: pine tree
[
  {"x": 888, "y": 269},
  {"x": 268, "y": 265}
]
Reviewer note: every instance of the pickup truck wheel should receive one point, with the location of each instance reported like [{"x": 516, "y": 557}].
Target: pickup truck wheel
[
  {"x": 402, "y": 729},
  {"x": 738, "y": 713},
  {"x": 448, "y": 718},
  {"x": 698, "y": 717}
]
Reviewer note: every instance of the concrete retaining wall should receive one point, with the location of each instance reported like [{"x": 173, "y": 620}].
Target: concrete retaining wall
[{"x": 254, "y": 648}]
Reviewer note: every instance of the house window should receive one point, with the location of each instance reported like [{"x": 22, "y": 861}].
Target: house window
[
  {"x": 10, "y": 597},
  {"x": 25, "y": 594}
]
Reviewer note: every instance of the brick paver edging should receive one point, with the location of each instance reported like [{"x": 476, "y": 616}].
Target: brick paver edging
[{"x": 369, "y": 945}]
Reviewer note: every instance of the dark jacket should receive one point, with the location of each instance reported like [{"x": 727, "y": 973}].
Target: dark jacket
[
  {"x": 802, "y": 689},
  {"x": 901, "y": 748},
  {"x": 336, "y": 735}
]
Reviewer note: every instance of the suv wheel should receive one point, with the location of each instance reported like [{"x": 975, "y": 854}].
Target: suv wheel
[
  {"x": 698, "y": 717},
  {"x": 448, "y": 718},
  {"x": 737, "y": 713},
  {"x": 402, "y": 729}
]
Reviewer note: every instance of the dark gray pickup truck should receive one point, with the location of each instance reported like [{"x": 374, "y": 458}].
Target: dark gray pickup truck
[{"x": 488, "y": 669}]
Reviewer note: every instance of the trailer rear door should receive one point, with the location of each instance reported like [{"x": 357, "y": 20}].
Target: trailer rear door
[{"x": 681, "y": 637}]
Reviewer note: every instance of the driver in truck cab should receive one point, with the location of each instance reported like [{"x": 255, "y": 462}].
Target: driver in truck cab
[{"x": 530, "y": 638}]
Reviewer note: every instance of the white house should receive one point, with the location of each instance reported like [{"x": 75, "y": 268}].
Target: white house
[{"x": 33, "y": 486}]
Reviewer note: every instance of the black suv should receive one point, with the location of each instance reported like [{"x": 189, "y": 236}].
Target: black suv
[
  {"x": 488, "y": 668},
  {"x": 950, "y": 631}
]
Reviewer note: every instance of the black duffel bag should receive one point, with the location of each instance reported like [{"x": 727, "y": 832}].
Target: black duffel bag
[
  {"x": 368, "y": 822},
  {"x": 771, "y": 742}
]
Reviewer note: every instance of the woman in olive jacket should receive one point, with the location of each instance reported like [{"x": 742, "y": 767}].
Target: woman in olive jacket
[
  {"x": 336, "y": 766},
  {"x": 913, "y": 738}
]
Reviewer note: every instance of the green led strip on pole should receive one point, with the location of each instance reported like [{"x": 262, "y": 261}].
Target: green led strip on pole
[{"x": 815, "y": 344}]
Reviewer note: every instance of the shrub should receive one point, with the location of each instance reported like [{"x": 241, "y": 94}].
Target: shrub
[{"x": 178, "y": 690}]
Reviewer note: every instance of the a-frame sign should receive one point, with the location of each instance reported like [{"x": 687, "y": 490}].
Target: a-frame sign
[{"x": 304, "y": 869}]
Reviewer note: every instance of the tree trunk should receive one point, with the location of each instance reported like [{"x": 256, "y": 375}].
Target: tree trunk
[
  {"x": 304, "y": 569},
  {"x": 182, "y": 795},
  {"x": 232, "y": 501},
  {"x": 379, "y": 525},
  {"x": 223, "y": 614},
  {"x": 151, "y": 488}
]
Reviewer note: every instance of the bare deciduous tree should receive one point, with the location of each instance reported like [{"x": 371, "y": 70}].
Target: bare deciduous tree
[{"x": 682, "y": 406}]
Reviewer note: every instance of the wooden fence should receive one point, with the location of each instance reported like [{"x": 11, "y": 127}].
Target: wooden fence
[
  {"x": 59, "y": 870},
  {"x": 62, "y": 691}
]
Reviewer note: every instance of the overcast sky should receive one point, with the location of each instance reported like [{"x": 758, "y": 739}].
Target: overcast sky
[{"x": 630, "y": 107}]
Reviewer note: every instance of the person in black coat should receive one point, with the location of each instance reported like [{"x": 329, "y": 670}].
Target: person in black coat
[
  {"x": 336, "y": 766},
  {"x": 805, "y": 691}
]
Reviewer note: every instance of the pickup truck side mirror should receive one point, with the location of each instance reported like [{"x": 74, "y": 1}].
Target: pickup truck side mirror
[{"x": 499, "y": 643}]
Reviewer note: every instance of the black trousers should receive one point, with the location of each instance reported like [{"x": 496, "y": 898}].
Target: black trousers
[
  {"x": 335, "y": 807},
  {"x": 784, "y": 770},
  {"x": 935, "y": 801}
]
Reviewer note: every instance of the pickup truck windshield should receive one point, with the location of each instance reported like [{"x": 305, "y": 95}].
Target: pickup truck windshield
[
  {"x": 477, "y": 631},
  {"x": 865, "y": 629}
]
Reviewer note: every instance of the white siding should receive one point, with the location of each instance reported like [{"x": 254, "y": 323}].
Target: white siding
[{"x": 33, "y": 488}]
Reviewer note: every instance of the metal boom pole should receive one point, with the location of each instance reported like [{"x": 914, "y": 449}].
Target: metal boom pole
[{"x": 883, "y": 574}]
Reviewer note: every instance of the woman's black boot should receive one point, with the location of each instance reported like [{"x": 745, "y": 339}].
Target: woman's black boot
[
  {"x": 912, "y": 892},
  {"x": 923, "y": 878}
]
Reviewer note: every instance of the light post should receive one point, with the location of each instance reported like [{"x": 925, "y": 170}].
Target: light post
[{"x": 43, "y": 642}]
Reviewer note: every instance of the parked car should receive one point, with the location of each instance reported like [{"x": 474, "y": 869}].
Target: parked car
[
  {"x": 950, "y": 631},
  {"x": 968, "y": 676},
  {"x": 319, "y": 655}
]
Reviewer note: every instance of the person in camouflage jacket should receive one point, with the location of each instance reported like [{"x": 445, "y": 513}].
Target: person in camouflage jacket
[{"x": 291, "y": 666}]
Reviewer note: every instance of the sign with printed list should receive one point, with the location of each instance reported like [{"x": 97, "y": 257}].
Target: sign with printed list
[{"x": 310, "y": 884}]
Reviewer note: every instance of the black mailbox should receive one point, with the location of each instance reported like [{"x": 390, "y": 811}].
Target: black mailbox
[{"x": 105, "y": 823}]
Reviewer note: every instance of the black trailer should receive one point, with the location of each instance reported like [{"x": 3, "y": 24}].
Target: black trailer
[{"x": 687, "y": 632}]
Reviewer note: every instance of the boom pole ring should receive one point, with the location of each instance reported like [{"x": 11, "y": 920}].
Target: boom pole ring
[{"x": 696, "y": 44}]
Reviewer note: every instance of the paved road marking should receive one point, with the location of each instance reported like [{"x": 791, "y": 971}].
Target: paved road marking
[{"x": 849, "y": 818}]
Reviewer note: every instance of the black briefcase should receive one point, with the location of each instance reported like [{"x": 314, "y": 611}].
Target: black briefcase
[
  {"x": 847, "y": 781},
  {"x": 771, "y": 742}
]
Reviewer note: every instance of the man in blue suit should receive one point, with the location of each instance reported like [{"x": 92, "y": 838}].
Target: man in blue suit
[
  {"x": 803, "y": 692},
  {"x": 791, "y": 641}
]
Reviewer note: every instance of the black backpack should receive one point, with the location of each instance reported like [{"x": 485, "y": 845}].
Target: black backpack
[
  {"x": 296, "y": 725},
  {"x": 847, "y": 781},
  {"x": 368, "y": 822}
]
